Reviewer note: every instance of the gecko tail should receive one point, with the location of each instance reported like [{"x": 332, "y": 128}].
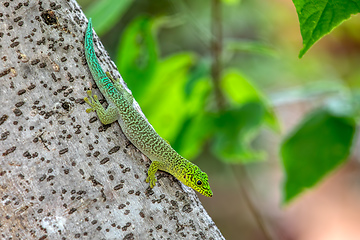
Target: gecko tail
[{"x": 95, "y": 68}]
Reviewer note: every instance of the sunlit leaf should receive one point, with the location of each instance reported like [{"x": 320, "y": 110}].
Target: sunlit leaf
[
  {"x": 164, "y": 102},
  {"x": 106, "y": 13},
  {"x": 318, "y": 145},
  {"x": 239, "y": 91},
  {"x": 137, "y": 55},
  {"x": 193, "y": 135},
  {"x": 198, "y": 125},
  {"x": 231, "y": 2},
  {"x": 236, "y": 129},
  {"x": 318, "y": 18},
  {"x": 199, "y": 71}
]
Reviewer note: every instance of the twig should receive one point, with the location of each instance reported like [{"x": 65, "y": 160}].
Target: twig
[
  {"x": 216, "y": 74},
  {"x": 216, "y": 51},
  {"x": 244, "y": 182}
]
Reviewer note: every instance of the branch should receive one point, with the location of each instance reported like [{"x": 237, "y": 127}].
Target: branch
[{"x": 62, "y": 173}]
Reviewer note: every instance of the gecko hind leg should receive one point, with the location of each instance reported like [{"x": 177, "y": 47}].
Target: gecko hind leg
[
  {"x": 151, "y": 178},
  {"x": 106, "y": 116}
]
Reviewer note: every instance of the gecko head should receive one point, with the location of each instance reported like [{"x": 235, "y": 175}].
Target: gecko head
[{"x": 197, "y": 180}]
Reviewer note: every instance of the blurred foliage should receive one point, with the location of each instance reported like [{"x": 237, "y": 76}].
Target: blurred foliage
[
  {"x": 175, "y": 91},
  {"x": 240, "y": 91},
  {"x": 318, "y": 18},
  {"x": 137, "y": 55},
  {"x": 319, "y": 144},
  {"x": 106, "y": 13},
  {"x": 232, "y": 47},
  {"x": 231, "y": 2},
  {"x": 235, "y": 130}
]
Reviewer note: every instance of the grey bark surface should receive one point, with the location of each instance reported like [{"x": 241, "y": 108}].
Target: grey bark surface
[{"x": 63, "y": 175}]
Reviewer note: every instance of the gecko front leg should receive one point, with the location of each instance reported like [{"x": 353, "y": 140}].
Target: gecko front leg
[{"x": 111, "y": 114}]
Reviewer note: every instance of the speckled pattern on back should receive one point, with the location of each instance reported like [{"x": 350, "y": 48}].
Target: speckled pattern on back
[{"x": 138, "y": 130}]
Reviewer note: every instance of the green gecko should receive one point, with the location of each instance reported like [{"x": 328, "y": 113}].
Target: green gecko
[{"x": 140, "y": 133}]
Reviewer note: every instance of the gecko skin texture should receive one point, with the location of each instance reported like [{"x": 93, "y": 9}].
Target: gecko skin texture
[{"x": 163, "y": 157}]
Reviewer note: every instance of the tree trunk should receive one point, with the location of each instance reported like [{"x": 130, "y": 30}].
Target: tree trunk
[{"x": 64, "y": 175}]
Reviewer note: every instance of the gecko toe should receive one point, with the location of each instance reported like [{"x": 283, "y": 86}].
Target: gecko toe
[{"x": 151, "y": 180}]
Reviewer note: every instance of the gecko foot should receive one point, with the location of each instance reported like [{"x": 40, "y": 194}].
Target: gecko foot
[
  {"x": 112, "y": 79},
  {"x": 152, "y": 180},
  {"x": 93, "y": 101}
]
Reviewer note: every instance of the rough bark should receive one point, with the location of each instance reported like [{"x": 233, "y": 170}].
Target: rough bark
[{"x": 63, "y": 175}]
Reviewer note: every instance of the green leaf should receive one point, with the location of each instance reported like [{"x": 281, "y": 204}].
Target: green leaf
[
  {"x": 164, "y": 102},
  {"x": 198, "y": 125},
  {"x": 236, "y": 129},
  {"x": 199, "y": 71},
  {"x": 106, "y": 13},
  {"x": 174, "y": 104},
  {"x": 318, "y": 18},
  {"x": 137, "y": 55},
  {"x": 231, "y": 2},
  {"x": 240, "y": 91},
  {"x": 193, "y": 135},
  {"x": 318, "y": 145}
]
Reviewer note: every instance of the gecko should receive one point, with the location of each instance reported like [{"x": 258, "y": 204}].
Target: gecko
[{"x": 136, "y": 128}]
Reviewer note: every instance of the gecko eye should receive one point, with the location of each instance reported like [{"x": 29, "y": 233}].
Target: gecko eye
[{"x": 199, "y": 182}]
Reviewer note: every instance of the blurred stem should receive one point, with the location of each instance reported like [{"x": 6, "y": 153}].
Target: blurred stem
[
  {"x": 245, "y": 183},
  {"x": 216, "y": 51},
  {"x": 216, "y": 74}
]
